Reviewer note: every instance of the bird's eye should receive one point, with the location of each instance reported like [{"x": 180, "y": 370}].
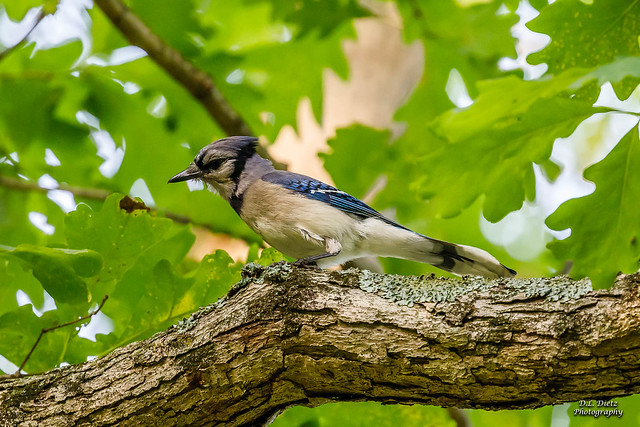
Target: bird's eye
[{"x": 213, "y": 164}]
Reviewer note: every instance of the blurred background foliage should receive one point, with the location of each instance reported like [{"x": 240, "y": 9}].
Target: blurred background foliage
[{"x": 499, "y": 124}]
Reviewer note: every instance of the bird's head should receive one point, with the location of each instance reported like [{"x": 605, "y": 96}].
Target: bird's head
[{"x": 220, "y": 163}]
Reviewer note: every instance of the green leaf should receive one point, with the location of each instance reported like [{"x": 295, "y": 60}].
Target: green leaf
[
  {"x": 25, "y": 128},
  {"x": 512, "y": 5},
  {"x": 247, "y": 61},
  {"x": 623, "y": 73},
  {"x": 489, "y": 147},
  {"x": 520, "y": 120},
  {"x": 267, "y": 94},
  {"x": 539, "y": 4},
  {"x": 604, "y": 226},
  {"x": 15, "y": 227},
  {"x": 13, "y": 278},
  {"x": 230, "y": 30},
  {"x": 469, "y": 39},
  {"x": 60, "y": 271},
  {"x": 124, "y": 239},
  {"x": 628, "y": 413},
  {"x": 271, "y": 255},
  {"x": 614, "y": 71},
  {"x": 144, "y": 302},
  {"x": 540, "y": 417},
  {"x": 213, "y": 278},
  {"x": 104, "y": 37},
  {"x": 586, "y": 35},
  {"x": 550, "y": 170},
  {"x": 42, "y": 64},
  {"x": 324, "y": 16},
  {"x": 146, "y": 290},
  {"x": 17, "y": 9},
  {"x": 371, "y": 149},
  {"x": 170, "y": 288},
  {"x": 42, "y": 78},
  {"x": 19, "y": 329},
  {"x": 173, "y": 21},
  {"x": 364, "y": 413}
]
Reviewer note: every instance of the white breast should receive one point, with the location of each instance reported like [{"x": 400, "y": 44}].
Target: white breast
[{"x": 279, "y": 216}]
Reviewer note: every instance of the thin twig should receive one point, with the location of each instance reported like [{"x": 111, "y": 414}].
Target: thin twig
[
  {"x": 8, "y": 50},
  {"x": 196, "y": 81},
  {"x": 43, "y": 331},
  {"x": 85, "y": 192},
  {"x": 93, "y": 194},
  {"x": 459, "y": 416}
]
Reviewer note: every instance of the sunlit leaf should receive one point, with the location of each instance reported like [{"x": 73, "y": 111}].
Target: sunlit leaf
[
  {"x": 604, "y": 226},
  {"x": 17, "y": 9},
  {"x": 370, "y": 147},
  {"x": 365, "y": 413},
  {"x": 175, "y": 22},
  {"x": 60, "y": 271},
  {"x": 524, "y": 418},
  {"x": 19, "y": 329},
  {"x": 585, "y": 35},
  {"x": 323, "y": 15},
  {"x": 489, "y": 147},
  {"x": 14, "y": 278},
  {"x": 621, "y": 411}
]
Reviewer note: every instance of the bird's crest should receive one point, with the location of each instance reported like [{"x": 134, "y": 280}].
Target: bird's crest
[{"x": 238, "y": 146}]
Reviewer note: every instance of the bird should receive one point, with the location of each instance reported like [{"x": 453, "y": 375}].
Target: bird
[{"x": 316, "y": 223}]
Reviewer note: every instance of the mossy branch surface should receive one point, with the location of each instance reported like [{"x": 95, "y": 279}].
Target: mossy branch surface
[{"x": 287, "y": 336}]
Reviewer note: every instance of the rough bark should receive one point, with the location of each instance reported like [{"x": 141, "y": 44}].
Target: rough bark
[{"x": 287, "y": 336}]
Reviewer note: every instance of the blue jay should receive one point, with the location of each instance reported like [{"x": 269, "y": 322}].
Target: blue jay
[{"x": 315, "y": 222}]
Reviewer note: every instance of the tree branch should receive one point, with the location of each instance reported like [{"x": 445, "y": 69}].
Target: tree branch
[
  {"x": 22, "y": 41},
  {"x": 90, "y": 193},
  {"x": 288, "y": 336},
  {"x": 83, "y": 192},
  {"x": 196, "y": 81}
]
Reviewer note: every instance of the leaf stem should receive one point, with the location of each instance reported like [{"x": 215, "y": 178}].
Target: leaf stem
[{"x": 43, "y": 331}]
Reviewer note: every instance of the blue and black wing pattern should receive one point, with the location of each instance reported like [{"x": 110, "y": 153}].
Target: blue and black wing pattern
[{"x": 326, "y": 193}]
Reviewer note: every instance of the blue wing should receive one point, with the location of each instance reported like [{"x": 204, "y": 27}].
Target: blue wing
[{"x": 325, "y": 193}]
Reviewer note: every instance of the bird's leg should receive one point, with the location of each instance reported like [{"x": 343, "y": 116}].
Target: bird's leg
[{"x": 332, "y": 247}]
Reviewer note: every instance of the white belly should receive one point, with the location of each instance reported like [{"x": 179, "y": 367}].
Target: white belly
[{"x": 281, "y": 224}]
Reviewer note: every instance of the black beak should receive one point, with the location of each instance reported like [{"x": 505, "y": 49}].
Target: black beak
[{"x": 192, "y": 172}]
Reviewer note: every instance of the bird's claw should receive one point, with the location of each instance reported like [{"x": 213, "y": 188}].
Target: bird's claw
[{"x": 305, "y": 263}]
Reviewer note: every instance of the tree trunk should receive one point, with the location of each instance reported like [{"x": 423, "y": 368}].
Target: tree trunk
[{"x": 291, "y": 336}]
